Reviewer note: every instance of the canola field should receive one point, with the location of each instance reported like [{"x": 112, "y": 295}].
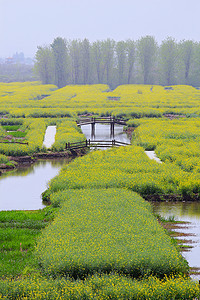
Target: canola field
[
  {"x": 103, "y": 231},
  {"x": 133, "y": 101},
  {"x": 104, "y": 242}
]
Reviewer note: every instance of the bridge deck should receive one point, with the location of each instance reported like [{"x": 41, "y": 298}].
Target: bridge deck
[{"x": 103, "y": 120}]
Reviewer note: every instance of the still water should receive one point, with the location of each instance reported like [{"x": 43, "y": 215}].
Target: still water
[
  {"x": 21, "y": 189},
  {"x": 188, "y": 212},
  {"x": 49, "y": 137},
  {"x": 102, "y": 132}
]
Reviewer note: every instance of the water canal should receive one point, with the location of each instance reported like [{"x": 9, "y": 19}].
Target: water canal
[
  {"x": 189, "y": 213},
  {"x": 103, "y": 132},
  {"x": 21, "y": 189},
  {"x": 49, "y": 137}
]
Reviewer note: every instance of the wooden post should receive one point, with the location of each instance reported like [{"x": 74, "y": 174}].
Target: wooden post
[
  {"x": 89, "y": 142},
  {"x": 86, "y": 143},
  {"x": 112, "y": 126},
  {"x": 93, "y": 129}
]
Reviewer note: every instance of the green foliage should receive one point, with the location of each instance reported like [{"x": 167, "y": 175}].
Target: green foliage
[
  {"x": 100, "y": 287},
  {"x": 127, "y": 167},
  {"x": 174, "y": 141},
  {"x": 103, "y": 231},
  {"x": 3, "y": 159},
  {"x": 67, "y": 132},
  {"x": 11, "y": 127},
  {"x": 18, "y": 232},
  {"x": 119, "y": 62}
]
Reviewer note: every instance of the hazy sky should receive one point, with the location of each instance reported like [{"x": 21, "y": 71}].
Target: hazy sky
[{"x": 26, "y": 24}]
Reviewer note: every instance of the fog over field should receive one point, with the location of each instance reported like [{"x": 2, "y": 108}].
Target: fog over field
[{"x": 26, "y": 24}]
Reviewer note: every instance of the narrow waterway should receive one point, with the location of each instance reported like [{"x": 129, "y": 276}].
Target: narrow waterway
[
  {"x": 49, "y": 137},
  {"x": 21, "y": 189},
  {"x": 152, "y": 155},
  {"x": 188, "y": 212}
]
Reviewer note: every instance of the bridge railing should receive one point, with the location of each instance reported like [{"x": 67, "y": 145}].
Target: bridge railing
[
  {"x": 94, "y": 120},
  {"x": 94, "y": 144}
]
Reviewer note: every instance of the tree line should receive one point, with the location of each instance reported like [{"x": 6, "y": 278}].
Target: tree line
[{"x": 114, "y": 63}]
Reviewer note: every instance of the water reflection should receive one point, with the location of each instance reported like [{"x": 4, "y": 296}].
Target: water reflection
[
  {"x": 103, "y": 132},
  {"x": 22, "y": 188},
  {"x": 187, "y": 212}
]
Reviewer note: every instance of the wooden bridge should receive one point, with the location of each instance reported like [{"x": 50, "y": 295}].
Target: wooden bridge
[
  {"x": 94, "y": 144},
  {"x": 101, "y": 120}
]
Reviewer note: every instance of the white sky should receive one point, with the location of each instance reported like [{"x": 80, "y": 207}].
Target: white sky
[{"x": 26, "y": 24}]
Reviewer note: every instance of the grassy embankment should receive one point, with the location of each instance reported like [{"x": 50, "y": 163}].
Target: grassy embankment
[{"x": 18, "y": 232}]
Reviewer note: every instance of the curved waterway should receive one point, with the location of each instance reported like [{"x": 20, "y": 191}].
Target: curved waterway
[
  {"x": 21, "y": 189},
  {"x": 188, "y": 212}
]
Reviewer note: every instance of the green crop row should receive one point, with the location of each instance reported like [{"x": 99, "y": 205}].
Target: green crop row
[
  {"x": 103, "y": 231},
  {"x": 175, "y": 141},
  {"x": 3, "y": 159},
  {"x": 35, "y": 129},
  {"x": 36, "y": 100},
  {"x": 67, "y": 132},
  {"x": 126, "y": 167},
  {"x": 100, "y": 288},
  {"x": 18, "y": 232}
]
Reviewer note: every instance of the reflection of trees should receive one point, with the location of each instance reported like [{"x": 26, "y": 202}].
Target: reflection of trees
[
  {"x": 179, "y": 208},
  {"x": 194, "y": 208},
  {"x": 27, "y": 169},
  {"x": 21, "y": 171},
  {"x": 59, "y": 162}
]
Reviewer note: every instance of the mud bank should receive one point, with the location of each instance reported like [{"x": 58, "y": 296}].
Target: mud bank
[{"x": 171, "y": 197}]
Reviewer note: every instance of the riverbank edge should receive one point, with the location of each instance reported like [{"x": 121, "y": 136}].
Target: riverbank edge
[
  {"x": 172, "y": 197},
  {"x": 20, "y": 161},
  {"x": 182, "y": 244}
]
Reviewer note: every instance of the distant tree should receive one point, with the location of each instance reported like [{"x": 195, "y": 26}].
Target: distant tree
[
  {"x": 60, "y": 61},
  {"x": 19, "y": 57},
  {"x": 44, "y": 65},
  {"x": 147, "y": 51},
  {"x": 120, "y": 49},
  {"x": 114, "y": 63},
  {"x": 168, "y": 56},
  {"x": 108, "y": 57},
  {"x": 86, "y": 60},
  {"x": 75, "y": 56},
  {"x": 130, "y": 48},
  {"x": 17, "y": 73},
  {"x": 186, "y": 56},
  {"x": 98, "y": 61},
  {"x": 194, "y": 78}
]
